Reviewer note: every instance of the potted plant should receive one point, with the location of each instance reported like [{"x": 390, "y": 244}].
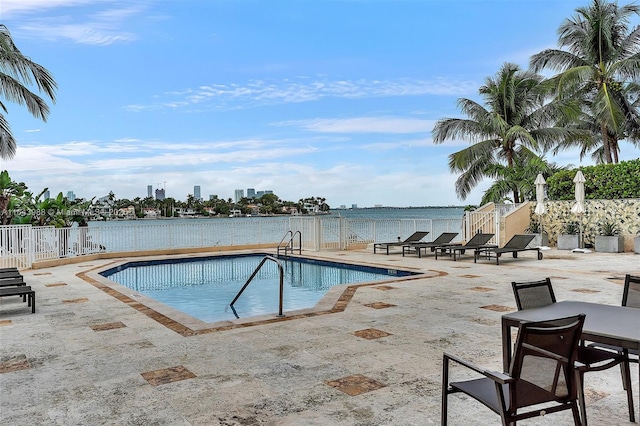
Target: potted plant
[
  {"x": 609, "y": 240},
  {"x": 570, "y": 237},
  {"x": 541, "y": 238},
  {"x": 636, "y": 243}
]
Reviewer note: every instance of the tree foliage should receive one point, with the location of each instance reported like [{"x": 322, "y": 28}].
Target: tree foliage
[
  {"x": 602, "y": 182},
  {"x": 599, "y": 65},
  {"x": 516, "y": 122},
  {"x": 17, "y": 73}
]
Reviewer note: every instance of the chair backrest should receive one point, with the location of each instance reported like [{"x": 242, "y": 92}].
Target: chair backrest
[
  {"x": 543, "y": 361},
  {"x": 520, "y": 241},
  {"x": 479, "y": 239},
  {"x": 416, "y": 236},
  {"x": 533, "y": 294},
  {"x": 631, "y": 293},
  {"x": 445, "y": 237}
]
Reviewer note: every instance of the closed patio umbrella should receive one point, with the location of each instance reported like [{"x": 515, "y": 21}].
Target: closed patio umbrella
[
  {"x": 540, "y": 208},
  {"x": 578, "y": 207}
]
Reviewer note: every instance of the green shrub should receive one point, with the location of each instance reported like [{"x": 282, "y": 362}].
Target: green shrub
[
  {"x": 571, "y": 228},
  {"x": 609, "y": 229},
  {"x": 602, "y": 182}
]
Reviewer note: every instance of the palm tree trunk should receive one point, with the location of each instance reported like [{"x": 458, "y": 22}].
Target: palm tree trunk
[
  {"x": 614, "y": 150},
  {"x": 605, "y": 143},
  {"x": 4, "y": 213}
]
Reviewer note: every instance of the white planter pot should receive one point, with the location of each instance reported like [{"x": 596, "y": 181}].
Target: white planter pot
[
  {"x": 538, "y": 241},
  {"x": 636, "y": 245},
  {"x": 610, "y": 244},
  {"x": 568, "y": 242}
]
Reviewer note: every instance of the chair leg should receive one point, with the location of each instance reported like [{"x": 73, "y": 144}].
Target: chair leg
[
  {"x": 576, "y": 415},
  {"x": 445, "y": 385},
  {"x": 626, "y": 380},
  {"x": 581, "y": 401}
]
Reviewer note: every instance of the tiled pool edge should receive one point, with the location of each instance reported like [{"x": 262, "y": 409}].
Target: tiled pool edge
[{"x": 175, "y": 325}]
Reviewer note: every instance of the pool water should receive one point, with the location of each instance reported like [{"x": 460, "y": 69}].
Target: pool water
[{"x": 204, "y": 287}]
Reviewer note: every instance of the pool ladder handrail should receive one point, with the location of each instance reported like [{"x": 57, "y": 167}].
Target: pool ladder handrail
[
  {"x": 289, "y": 244},
  {"x": 255, "y": 272}
]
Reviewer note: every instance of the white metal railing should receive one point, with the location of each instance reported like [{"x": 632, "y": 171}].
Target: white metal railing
[
  {"x": 487, "y": 221},
  {"x": 21, "y": 245}
]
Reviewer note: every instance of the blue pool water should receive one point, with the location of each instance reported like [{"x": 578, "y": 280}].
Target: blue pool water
[{"x": 204, "y": 287}]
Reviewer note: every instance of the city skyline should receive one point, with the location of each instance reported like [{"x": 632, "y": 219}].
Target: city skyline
[{"x": 335, "y": 99}]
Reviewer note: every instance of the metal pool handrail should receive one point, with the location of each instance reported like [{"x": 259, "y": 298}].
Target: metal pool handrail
[
  {"x": 289, "y": 244},
  {"x": 281, "y": 270}
]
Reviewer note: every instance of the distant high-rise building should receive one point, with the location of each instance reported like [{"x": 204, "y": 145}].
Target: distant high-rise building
[
  {"x": 251, "y": 192},
  {"x": 354, "y": 206},
  {"x": 196, "y": 193},
  {"x": 239, "y": 195},
  {"x": 71, "y": 196},
  {"x": 259, "y": 194},
  {"x": 212, "y": 196},
  {"x": 268, "y": 191},
  {"x": 159, "y": 194},
  {"x": 47, "y": 195},
  {"x": 149, "y": 190}
]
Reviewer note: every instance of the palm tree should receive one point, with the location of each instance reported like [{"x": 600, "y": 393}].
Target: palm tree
[
  {"x": 16, "y": 73},
  {"x": 600, "y": 65},
  {"x": 516, "y": 121},
  {"x": 521, "y": 176}
]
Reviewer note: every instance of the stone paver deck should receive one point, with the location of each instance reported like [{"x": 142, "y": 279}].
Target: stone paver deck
[{"x": 89, "y": 357}]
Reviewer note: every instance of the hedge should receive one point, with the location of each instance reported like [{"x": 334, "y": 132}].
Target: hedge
[{"x": 602, "y": 182}]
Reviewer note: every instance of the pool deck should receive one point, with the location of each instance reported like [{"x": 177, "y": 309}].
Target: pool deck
[{"x": 366, "y": 356}]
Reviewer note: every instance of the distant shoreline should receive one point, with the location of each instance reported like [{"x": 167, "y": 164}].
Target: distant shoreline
[{"x": 400, "y": 208}]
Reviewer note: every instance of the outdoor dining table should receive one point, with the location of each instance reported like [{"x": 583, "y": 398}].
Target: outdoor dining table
[{"x": 610, "y": 324}]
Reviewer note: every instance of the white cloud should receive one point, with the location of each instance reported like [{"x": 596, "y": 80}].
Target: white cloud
[
  {"x": 102, "y": 27},
  {"x": 363, "y": 125},
  {"x": 304, "y": 89},
  {"x": 11, "y": 7}
]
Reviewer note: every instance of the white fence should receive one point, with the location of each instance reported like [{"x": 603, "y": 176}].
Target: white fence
[
  {"x": 21, "y": 245},
  {"x": 487, "y": 221}
]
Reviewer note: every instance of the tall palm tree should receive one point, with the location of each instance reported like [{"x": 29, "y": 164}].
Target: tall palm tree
[
  {"x": 16, "y": 73},
  {"x": 516, "y": 120},
  {"x": 599, "y": 63},
  {"x": 522, "y": 176}
]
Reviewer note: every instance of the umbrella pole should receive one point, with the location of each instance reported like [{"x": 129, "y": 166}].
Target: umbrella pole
[
  {"x": 581, "y": 241},
  {"x": 541, "y": 242}
]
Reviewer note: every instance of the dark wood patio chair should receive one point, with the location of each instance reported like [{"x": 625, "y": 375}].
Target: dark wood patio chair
[
  {"x": 443, "y": 239},
  {"x": 25, "y": 291},
  {"x": 479, "y": 240},
  {"x": 10, "y": 274},
  {"x": 541, "y": 372},
  {"x": 413, "y": 238},
  {"x": 518, "y": 243},
  {"x": 536, "y": 294}
]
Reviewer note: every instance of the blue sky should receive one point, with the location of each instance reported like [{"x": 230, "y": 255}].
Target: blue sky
[{"x": 306, "y": 98}]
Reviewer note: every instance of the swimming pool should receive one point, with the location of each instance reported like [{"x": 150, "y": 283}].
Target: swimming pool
[{"x": 203, "y": 287}]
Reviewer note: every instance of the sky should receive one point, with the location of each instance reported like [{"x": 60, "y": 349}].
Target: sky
[{"x": 326, "y": 98}]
